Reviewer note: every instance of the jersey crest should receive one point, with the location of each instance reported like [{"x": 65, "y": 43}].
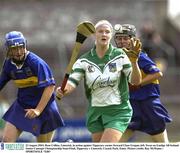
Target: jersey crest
[
  {"x": 91, "y": 68},
  {"x": 112, "y": 67}
]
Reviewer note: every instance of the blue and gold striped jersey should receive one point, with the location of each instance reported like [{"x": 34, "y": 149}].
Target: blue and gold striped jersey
[
  {"x": 31, "y": 79},
  {"x": 147, "y": 66}
]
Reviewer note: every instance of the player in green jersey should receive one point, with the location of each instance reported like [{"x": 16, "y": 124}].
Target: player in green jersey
[{"x": 106, "y": 71}]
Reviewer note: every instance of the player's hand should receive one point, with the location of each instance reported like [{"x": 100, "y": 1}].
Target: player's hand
[
  {"x": 32, "y": 113},
  {"x": 134, "y": 51},
  {"x": 134, "y": 87},
  {"x": 59, "y": 93}
]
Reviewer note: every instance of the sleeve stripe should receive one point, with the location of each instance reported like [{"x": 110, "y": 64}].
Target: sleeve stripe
[
  {"x": 74, "y": 81},
  {"x": 126, "y": 66},
  {"x": 79, "y": 70}
]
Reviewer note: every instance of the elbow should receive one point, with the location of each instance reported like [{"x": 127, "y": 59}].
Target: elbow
[
  {"x": 50, "y": 88},
  {"x": 136, "y": 81},
  {"x": 160, "y": 74}
]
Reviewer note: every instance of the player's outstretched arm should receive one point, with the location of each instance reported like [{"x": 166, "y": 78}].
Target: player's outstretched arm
[
  {"x": 32, "y": 113},
  {"x": 68, "y": 89}
]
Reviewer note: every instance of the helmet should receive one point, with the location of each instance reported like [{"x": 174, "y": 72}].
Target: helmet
[
  {"x": 125, "y": 29},
  {"x": 15, "y": 38}
]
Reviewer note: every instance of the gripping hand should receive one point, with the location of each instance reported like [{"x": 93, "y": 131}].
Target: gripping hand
[
  {"x": 134, "y": 51},
  {"x": 59, "y": 93}
]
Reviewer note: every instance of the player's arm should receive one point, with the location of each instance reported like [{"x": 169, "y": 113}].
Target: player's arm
[
  {"x": 3, "y": 80},
  {"x": 4, "y": 77},
  {"x": 132, "y": 71},
  {"x": 133, "y": 55},
  {"x": 73, "y": 81},
  {"x": 68, "y": 89},
  {"x": 48, "y": 91},
  {"x": 151, "y": 77},
  {"x": 146, "y": 80},
  {"x": 136, "y": 76}
]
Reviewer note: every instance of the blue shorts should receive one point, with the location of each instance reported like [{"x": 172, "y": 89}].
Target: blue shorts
[
  {"x": 149, "y": 116},
  {"x": 48, "y": 121}
]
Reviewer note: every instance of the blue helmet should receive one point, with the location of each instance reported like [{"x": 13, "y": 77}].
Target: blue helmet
[{"x": 15, "y": 38}]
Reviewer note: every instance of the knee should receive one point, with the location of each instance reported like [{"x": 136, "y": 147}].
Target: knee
[{"x": 7, "y": 139}]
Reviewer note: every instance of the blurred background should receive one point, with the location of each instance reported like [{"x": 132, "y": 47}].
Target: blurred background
[{"x": 49, "y": 26}]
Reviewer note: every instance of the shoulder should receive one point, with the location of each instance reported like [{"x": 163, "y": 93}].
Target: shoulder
[
  {"x": 143, "y": 54},
  {"x": 144, "y": 57},
  {"x": 6, "y": 64},
  {"x": 147, "y": 64},
  {"x": 35, "y": 59},
  {"x": 117, "y": 52},
  {"x": 88, "y": 54},
  {"x": 33, "y": 56}
]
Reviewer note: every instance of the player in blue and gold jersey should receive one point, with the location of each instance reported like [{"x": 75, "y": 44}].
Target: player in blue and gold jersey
[
  {"x": 35, "y": 109},
  {"x": 149, "y": 115}
]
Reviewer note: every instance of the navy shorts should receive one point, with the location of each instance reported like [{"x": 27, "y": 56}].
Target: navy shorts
[
  {"x": 149, "y": 116},
  {"x": 48, "y": 121}
]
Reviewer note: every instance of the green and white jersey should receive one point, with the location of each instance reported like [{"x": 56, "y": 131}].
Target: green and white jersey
[{"x": 105, "y": 79}]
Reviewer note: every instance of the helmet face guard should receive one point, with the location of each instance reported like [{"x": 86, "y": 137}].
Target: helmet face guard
[{"x": 125, "y": 29}]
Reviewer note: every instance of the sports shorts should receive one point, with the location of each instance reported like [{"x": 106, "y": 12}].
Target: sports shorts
[
  {"x": 113, "y": 116},
  {"x": 149, "y": 116}
]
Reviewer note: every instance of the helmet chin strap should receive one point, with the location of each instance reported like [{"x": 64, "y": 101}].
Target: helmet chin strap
[{"x": 19, "y": 62}]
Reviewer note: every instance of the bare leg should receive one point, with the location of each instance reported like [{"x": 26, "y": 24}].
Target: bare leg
[
  {"x": 11, "y": 133},
  {"x": 46, "y": 137},
  {"x": 96, "y": 137},
  {"x": 127, "y": 135},
  {"x": 161, "y": 137},
  {"x": 111, "y": 135}
]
